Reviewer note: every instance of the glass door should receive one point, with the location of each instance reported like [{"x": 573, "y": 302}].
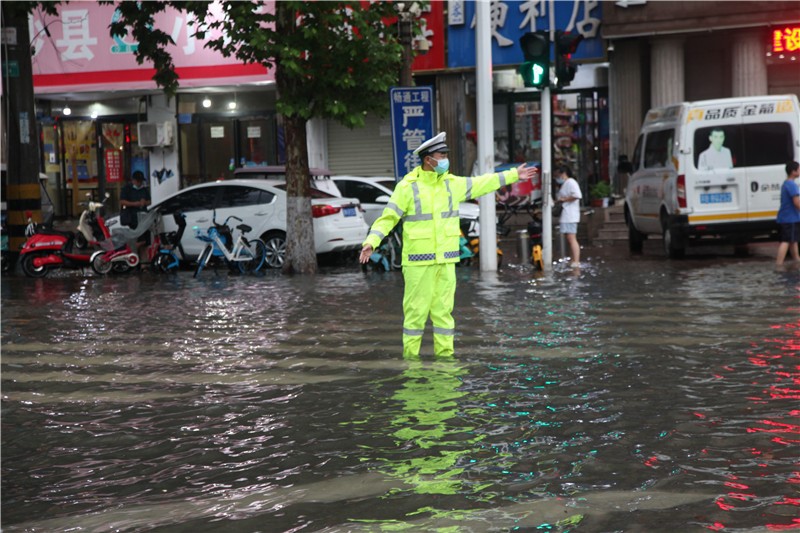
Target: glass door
[
  {"x": 257, "y": 142},
  {"x": 219, "y": 149},
  {"x": 80, "y": 162}
]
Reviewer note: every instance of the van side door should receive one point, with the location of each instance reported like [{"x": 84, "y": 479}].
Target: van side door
[
  {"x": 770, "y": 140},
  {"x": 650, "y": 182}
]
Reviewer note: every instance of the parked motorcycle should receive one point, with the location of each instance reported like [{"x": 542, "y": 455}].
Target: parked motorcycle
[
  {"x": 118, "y": 251},
  {"x": 47, "y": 248},
  {"x": 470, "y": 242},
  {"x": 90, "y": 232}
]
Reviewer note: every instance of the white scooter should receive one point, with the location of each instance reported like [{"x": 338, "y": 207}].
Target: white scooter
[{"x": 89, "y": 233}]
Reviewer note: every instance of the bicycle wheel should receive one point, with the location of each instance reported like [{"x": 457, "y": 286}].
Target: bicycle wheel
[
  {"x": 163, "y": 263},
  {"x": 256, "y": 250},
  {"x": 203, "y": 259}
]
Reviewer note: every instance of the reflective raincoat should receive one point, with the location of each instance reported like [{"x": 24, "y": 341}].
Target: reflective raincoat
[{"x": 427, "y": 205}]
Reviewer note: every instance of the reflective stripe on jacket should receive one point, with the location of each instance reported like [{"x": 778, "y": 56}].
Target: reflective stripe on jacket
[{"x": 427, "y": 204}]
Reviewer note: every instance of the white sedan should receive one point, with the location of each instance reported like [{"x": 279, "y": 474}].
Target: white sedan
[
  {"x": 261, "y": 204},
  {"x": 374, "y": 194}
]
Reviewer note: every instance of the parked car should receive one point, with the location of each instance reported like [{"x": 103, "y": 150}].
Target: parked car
[
  {"x": 338, "y": 222},
  {"x": 320, "y": 177},
  {"x": 374, "y": 194}
]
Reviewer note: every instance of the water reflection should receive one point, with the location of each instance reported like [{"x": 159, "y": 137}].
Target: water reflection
[{"x": 644, "y": 394}]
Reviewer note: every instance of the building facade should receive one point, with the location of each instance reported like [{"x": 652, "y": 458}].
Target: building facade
[
  {"x": 92, "y": 98},
  {"x": 665, "y": 52}
]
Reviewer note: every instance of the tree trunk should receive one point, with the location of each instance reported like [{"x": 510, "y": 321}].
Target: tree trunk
[{"x": 301, "y": 257}]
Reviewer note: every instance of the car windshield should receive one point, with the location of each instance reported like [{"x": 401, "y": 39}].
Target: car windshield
[
  {"x": 315, "y": 193},
  {"x": 389, "y": 184}
]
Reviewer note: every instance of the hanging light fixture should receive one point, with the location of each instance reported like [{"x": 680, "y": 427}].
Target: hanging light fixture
[
  {"x": 206, "y": 102},
  {"x": 94, "y": 112},
  {"x": 66, "y": 111},
  {"x": 232, "y": 104}
]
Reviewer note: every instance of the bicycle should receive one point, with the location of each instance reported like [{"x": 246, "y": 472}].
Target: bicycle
[
  {"x": 246, "y": 255},
  {"x": 389, "y": 254},
  {"x": 166, "y": 251}
]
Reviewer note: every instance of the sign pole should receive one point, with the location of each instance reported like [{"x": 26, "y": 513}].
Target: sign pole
[
  {"x": 547, "y": 171},
  {"x": 483, "y": 75}
]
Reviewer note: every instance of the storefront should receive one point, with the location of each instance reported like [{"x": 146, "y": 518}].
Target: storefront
[
  {"x": 92, "y": 100},
  {"x": 579, "y": 111}
]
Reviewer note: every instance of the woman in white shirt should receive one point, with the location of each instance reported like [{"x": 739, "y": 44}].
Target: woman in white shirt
[{"x": 569, "y": 194}]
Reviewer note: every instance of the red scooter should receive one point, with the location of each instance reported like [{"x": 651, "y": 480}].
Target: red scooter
[{"x": 47, "y": 248}]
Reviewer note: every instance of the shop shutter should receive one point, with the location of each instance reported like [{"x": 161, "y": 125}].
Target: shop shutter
[{"x": 363, "y": 151}]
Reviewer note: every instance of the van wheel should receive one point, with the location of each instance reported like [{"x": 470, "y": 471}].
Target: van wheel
[
  {"x": 635, "y": 239},
  {"x": 673, "y": 246}
]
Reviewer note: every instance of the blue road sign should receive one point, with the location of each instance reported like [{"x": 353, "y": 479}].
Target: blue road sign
[{"x": 412, "y": 124}]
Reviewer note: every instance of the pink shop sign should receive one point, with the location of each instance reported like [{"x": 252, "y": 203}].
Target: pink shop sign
[{"x": 73, "y": 51}]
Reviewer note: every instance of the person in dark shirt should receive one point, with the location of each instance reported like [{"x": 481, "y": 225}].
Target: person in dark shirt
[{"x": 135, "y": 198}]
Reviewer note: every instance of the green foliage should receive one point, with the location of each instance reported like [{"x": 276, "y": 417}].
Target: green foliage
[{"x": 601, "y": 189}]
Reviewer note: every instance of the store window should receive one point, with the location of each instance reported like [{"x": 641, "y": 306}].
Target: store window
[{"x": 224, "y": 131}]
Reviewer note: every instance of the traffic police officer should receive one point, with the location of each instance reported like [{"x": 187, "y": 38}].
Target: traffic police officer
[{"x": 426, "y": 201}]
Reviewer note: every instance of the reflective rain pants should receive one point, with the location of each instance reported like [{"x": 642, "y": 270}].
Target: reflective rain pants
[{"x": 429, "y": 290}]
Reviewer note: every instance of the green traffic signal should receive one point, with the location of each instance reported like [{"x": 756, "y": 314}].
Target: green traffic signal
[
  {"x": 535, "y": 70},
  {"x": 533, "y": 74}
]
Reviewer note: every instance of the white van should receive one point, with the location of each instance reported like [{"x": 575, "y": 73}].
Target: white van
[{"x": 711, "y": 168}]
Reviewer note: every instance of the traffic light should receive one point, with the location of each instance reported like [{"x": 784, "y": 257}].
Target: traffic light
[
  {"x": 535, "y": 70},
  {"x": 566, "y": 44}
]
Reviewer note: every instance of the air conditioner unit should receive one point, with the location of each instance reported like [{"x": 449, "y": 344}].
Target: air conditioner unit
[{"x": 153, "y": 134}]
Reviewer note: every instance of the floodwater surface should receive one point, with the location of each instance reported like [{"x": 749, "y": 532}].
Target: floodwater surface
[{"x": 630, "y": 396}]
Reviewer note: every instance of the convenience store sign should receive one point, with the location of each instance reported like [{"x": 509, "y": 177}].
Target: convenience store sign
[{"x": 512, "y": 19}]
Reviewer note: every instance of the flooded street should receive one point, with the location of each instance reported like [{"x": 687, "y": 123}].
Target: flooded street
[{"x": 634, "y": 395}]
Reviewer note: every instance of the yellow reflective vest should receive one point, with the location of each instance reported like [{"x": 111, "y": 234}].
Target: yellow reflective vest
[{"x": 427, "y": 205}]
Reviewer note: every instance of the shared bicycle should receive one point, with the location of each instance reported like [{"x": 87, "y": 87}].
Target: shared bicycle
[{"x": 240, "y": 253}]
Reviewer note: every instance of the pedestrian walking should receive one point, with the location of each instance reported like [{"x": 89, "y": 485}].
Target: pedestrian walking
[
  {"x": 569, "y": 195},
  {"x": 426, "y": 201},
  {"x": 789, "y": 214}
]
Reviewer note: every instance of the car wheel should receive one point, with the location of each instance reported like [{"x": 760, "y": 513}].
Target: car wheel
[
  {"x": 673, "y": 244},
  {"x": 635, "y": 238},
  {"x": 275, "y": 242}
]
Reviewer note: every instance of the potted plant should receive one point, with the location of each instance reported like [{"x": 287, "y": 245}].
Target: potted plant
[{"x": 599, "y": 193}]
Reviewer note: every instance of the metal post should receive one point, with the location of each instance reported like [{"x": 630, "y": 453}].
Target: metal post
[
  {"x": 483, "y": 74},
  {"x": 547, "y": 195}
]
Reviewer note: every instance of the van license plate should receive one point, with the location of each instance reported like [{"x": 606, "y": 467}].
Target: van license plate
[
  {"x": 349, "y": 211},
  {"x": 716, "y": 198}
]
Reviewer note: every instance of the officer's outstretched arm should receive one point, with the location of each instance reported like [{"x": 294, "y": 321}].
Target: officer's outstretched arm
[{"x": 391, "y": 215}]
